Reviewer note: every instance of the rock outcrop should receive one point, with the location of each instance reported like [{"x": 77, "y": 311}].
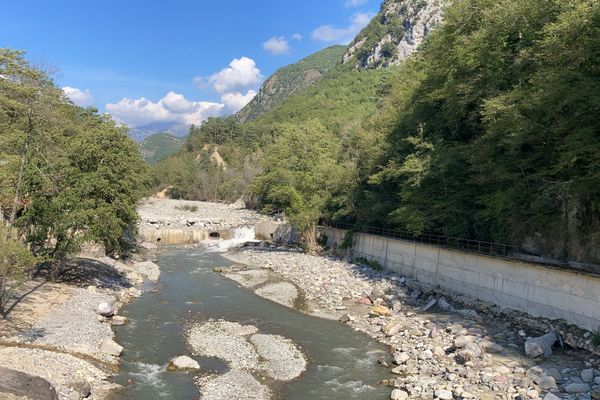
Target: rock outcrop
[{"x": 395, "y": 33}]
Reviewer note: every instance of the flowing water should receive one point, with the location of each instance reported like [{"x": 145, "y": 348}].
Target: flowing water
[{"x": 342, "y": 363}]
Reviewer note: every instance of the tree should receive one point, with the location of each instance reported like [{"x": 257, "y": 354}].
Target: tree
[
  {"x": 15, "y": 261},
  {"x": 70, "y": 174},
  {"x": 88, "y": 194},
  {"x": 300, "y": 173}
]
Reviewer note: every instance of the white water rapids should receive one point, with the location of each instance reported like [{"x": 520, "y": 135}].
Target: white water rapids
[{"x": 241, "y": 235}]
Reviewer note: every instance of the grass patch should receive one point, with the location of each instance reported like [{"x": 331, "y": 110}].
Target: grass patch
[{"x": 371, "y": 263}]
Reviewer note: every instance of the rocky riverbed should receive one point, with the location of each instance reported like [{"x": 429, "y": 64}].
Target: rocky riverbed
[
  {"x": 56, "y": 330},
  {"x": 438, "y": 349},
  {"x": 169, "y": 221},
  {"x": 251, "y": 356}
]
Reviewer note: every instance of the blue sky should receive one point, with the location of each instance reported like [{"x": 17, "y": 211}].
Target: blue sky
[{"x": 152, "y": 61}]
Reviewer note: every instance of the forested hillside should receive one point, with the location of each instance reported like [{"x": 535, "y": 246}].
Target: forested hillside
[
  {"x": 67, "y": 175},
  {"x": 291, "y": 79},
  {"x": 488, "y": 131},
  {"x": 159, "y": 146}
]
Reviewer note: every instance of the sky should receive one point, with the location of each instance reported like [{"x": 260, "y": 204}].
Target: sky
[{"x": 173, "y": 61}]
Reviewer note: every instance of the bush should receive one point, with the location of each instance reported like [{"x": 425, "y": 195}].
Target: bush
[{"x": 16, "y": 262}]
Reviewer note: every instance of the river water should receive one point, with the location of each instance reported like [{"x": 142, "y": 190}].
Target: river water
[{"x": 342, "y": 362}]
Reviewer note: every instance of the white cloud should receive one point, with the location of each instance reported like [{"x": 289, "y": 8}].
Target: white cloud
[
  {"x": 237, "y": 101},
  {"x": 174, "y": 107},
  {"x": 80, "y": 98},
  {"x": 355, "y": 3},
  {"x": 297, "y": 37},
  {"x": 328, "y": 33},
  {"x": 277, "y": 45},
  {"x": 242, "y": 74}
]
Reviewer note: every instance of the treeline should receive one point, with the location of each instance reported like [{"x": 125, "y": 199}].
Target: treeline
[
  {"x": 68, "y": 175},
  {"x": 490, "y": 131}
]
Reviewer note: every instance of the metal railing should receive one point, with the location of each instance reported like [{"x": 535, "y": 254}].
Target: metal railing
[{"x": 467, "y": 245}]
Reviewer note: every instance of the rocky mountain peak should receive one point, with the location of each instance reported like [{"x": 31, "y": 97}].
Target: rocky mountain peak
[{"x": 395, "y": 33}]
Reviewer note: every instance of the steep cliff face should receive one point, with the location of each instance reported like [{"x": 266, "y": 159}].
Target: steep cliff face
[
  {"x": 395, "y": 33},
  {"x": 291, "y": 79}
]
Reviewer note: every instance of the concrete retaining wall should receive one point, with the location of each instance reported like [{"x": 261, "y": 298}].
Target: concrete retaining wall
[
  {"x": 535, "y": 289},
  {"x": 278, "y": 232}
]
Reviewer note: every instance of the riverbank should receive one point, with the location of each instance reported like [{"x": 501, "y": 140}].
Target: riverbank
[
  {"x": 436, "y": 349},
  {"x": 55, "y": 331}
]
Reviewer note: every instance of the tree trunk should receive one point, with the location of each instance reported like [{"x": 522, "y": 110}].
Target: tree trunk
[
  {"x": 24, "y": 155},
  {"x": 308, "y": 240}
]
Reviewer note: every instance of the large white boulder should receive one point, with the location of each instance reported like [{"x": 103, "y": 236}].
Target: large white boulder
[{"x": 183, "y": 363}]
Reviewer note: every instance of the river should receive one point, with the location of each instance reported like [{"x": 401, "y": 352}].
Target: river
[{"x": 342, "y": 362}]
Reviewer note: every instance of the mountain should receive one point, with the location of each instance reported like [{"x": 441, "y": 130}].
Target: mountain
[
  {"x": 395, "y": 33},
  {"x": 291, "y": 79},
  {"x": 159, "y": 146},
  {"x": 175, "y": 129}
]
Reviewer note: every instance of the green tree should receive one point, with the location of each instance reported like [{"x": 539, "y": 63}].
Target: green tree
[
  {"x": 15, "y": 262},
  {"x": 300, "y": 173}
]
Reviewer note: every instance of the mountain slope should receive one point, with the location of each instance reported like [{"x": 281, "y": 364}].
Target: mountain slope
[
  {"x": 395, "y": 33},
  {"x": 159, "y": 146},
  {"x": 340, "y": 100},
  {"x": 291, "y": 79}
]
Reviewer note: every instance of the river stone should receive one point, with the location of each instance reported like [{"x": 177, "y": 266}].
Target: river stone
[
  {"x": 82, "y": 388},
  {"x": 545, "y": 382},
  {"x": 381, "y": 310},
  {"x": 105, "y": 309},
  {"x": 490, "y": 347},
  {"x": 551, "y": 396},
  {"x": 118, "y": 320},
  {"x": 587, "y": 375},
  {"x": 21, "y": 384},
  {"x": 183, "y": 363},
  {"x": 111, "y": 347},
  {"x": 578, "y": 388},
  {"x": 398, "y": 394},
  {"x": 443, "y": 394}
]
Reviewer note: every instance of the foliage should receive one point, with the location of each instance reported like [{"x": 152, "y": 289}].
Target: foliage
[
  {"x": 15, "y": 262},
  {"x": 75, "y": 177},
  {"x": 371, "y": 263},
  {"x": 490, "y": 128},
  {"x": 291, "y": 79},
  {"x": 160, "y": 146},
  {"x": 300, "y": 172},
  {"x": 348, "y": 240}
]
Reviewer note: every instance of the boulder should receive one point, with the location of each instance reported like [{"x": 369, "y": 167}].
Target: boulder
[
  {"x": 587, "y": 375},
  {"x": 398, "y": 394},
  {"x": 111, "y": 347},
  {"x": 540, "y": 346},
  {"x": 21, "y": 384},
  {"x": 377, "y": 293},
  {"x": 82, "y": 388},
  {"x": 105, "y": 309},
  {"x": 183, "y": 363},
  {"x": 578, "y": 388},
  {"x": 490, "y": 347}
]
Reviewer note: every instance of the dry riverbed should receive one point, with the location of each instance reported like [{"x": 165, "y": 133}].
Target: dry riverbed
[
  {"x": 54, "y": 330},
  {"x": 438, "y": 349}
]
